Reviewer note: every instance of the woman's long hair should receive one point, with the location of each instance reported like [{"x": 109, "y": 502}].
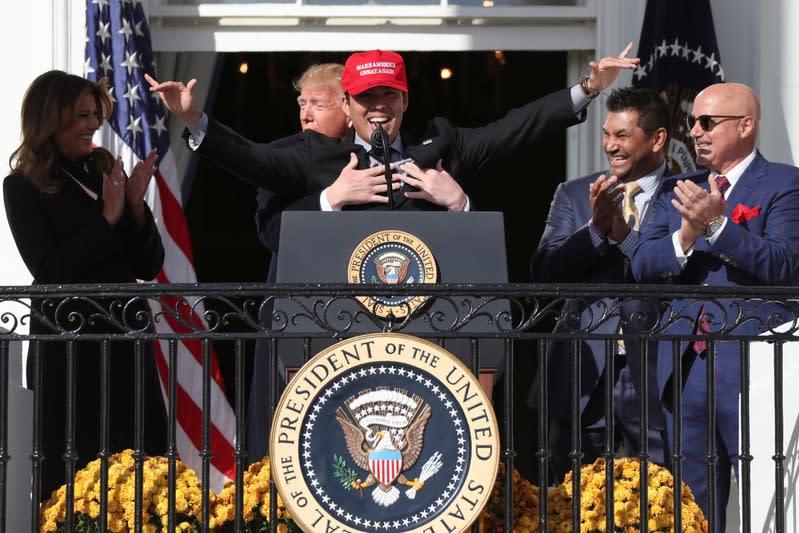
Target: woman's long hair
[{"x": 45, "y": 100}]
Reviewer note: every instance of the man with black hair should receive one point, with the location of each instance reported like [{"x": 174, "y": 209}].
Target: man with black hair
[
  {"x": 591, "y": 233},
  {"x": 317, "y": 172}
]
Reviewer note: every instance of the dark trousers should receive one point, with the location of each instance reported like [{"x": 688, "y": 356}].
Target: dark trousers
[
  {"x": 259, "y": 417},
  {"x": 122, "y": 403},
  {"x": 695, "y": 431},
  {"x": 626, "y": 429}
]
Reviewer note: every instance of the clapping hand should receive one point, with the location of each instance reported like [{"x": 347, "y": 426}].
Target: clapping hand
[
  {"x": 137, "y": 184},
  {"x": 605, "y": 199},
  {"x": 114, "y": 193},
  {"x": 697, "y": 207}
]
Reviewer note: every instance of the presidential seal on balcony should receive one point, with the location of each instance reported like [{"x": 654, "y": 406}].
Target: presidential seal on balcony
[
  {"x": 396, "y": 258},
  {"x": 384, "y": 432}
]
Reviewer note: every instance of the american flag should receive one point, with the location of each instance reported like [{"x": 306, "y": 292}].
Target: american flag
[
  {"x": 118, "y": 48},
  {"x": 680, "y": 57}
]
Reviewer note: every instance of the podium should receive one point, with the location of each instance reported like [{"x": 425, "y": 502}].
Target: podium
[{"x": 316, "y": 247}]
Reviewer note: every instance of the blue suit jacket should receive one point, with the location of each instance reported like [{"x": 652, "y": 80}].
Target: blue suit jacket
[
  {"x": 566, "y": 253},
  {"x": 761, "y": 251}
]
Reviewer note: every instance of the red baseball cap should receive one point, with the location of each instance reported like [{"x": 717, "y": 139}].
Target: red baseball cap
[{"x": 375, "y": 68}]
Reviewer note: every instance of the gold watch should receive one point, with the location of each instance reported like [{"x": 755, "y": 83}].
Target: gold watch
[{"x": 714, "y": 225}]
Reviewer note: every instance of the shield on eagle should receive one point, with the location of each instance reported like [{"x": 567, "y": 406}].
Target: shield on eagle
[{"x": 385, "y": 465}]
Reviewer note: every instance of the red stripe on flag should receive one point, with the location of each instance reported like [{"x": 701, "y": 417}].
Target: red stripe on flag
[
  {"x": 193, "y": 345},
  {"x": 174, "y": 218},
  {"x": 189, "y": 416}
]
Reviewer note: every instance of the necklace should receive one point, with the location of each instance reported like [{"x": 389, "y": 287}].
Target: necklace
[{"x": 88, "y": 191}]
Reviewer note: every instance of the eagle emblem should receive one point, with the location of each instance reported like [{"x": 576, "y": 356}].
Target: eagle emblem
[
  {"x": 384, "y": 432},
  {"x": 392, "y": 267}
]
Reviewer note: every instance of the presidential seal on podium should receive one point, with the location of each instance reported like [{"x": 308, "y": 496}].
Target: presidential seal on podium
[
  {"x": 384, "y": 432},
  {"x": 396, "y": 258}
]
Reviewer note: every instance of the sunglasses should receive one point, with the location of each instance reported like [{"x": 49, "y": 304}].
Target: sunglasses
[{"x": 708, "y": 122}]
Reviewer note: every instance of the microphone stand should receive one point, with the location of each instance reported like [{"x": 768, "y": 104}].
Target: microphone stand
[{"x": 380, "y": 142}]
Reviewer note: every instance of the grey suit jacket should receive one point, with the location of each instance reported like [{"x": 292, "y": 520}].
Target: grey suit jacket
[{"x": 566, "y": 253}]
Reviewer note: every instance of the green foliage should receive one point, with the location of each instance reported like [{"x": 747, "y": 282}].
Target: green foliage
[
  {"x": 259, "y": 524},
  {"x": 81, "y": 524},
  {"x": 343, "y": 473}
]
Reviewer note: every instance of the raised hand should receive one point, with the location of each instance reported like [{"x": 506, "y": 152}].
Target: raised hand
[
  {"x": 178, "y": 98},
  {"x": 604, "y": 73}
]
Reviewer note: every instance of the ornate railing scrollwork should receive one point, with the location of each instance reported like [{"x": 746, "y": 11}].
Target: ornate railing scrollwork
[{"x": 334, "y": 310}]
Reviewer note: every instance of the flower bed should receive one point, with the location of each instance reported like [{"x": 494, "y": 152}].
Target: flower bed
[
  {"x": 121, "y": 479},
  {"x": 626, "y": 509},
  {"x": 121, "y": 494}
]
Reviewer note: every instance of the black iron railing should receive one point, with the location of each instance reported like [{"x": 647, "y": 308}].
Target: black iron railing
[{"x": 490, "y": 320}]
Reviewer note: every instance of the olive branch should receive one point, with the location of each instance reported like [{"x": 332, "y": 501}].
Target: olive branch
[{"x": 343, "y": 473}]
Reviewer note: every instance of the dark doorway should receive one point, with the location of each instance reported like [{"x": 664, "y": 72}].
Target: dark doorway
[{"x": 261, "y": 105}]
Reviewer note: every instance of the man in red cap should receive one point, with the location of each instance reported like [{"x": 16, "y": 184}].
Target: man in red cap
[
  {"x": 311, "y": 171},
  {"x": 317, "y": 172}
]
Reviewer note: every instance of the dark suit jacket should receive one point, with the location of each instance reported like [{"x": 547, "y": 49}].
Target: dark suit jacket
[
  {"x": 761, "y": 251},
  {"x": 64, "y": 238},
  {"x": 297, "y": 169},
  {"x": 566, "y": 253}
]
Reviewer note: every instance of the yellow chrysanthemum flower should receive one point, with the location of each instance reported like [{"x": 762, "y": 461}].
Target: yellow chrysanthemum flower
[
  {"x": 626, "y": 494},
  {"x": 121, "y": 495},
  {"x": 255, "y": 500}
]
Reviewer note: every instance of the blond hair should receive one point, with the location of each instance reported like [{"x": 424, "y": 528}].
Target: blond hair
[{"x": 321, "y": 75}]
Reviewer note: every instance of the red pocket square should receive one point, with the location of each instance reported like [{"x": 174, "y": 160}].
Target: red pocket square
[{"x": 741, "y": 213}]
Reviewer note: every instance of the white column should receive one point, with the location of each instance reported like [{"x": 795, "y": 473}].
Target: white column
[
  {"x": 778, "y": 77},
  {"x": 35, "y": 36},
  {"x": 775, "y": 52}
]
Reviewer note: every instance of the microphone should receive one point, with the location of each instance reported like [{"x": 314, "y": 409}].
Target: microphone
[{"x": 380, "y": 146}]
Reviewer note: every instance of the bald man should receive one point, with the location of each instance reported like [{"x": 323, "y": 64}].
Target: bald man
[{"x": 734, "y": 223}]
